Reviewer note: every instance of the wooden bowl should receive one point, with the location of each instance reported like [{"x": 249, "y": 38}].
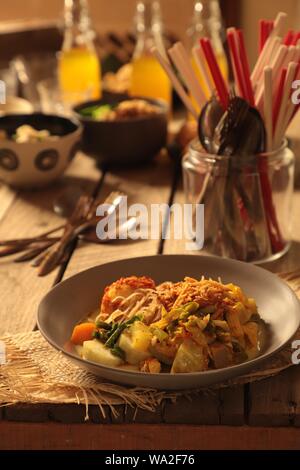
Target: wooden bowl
[{"x": 126, "y": 142}]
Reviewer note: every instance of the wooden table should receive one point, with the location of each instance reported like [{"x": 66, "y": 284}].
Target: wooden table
[{"x": 263, "y": 415}]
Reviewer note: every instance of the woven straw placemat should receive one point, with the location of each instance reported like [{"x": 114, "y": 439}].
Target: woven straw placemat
[{"x": 35, "y": 372}]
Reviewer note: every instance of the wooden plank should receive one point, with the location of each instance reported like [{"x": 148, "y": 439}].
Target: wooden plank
[
  {"x": 206, "y": 409},
  {"x": 153, "y": 186},
  {"x": 26, "y": 412},
  {"x": 227, "y": 407},
  {"x": 295, "y": 395},
  {"x": 73, "y": 413},
  {"x": 269, "y": 402},
  {"x": 60, "y": 413},
  {"x": 276, "y": 401},
  {"x": 146, "y": 185},
  {"x": 136, "y": 416},
  {"x": 173, "y": 246},
  {"x": 198, "y": 409},
  {"x": 53, "y": 436},
  {"x": 150, "y": 185},
  {"x": 272, "y": 403},
  {"x": 7, "y": 197},
  {"x": 30, "y": 214},
  {"x": 231, "y": 406}
]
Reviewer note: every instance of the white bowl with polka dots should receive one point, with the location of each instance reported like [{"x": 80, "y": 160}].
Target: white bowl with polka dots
[{"x": 36, "y": 164}]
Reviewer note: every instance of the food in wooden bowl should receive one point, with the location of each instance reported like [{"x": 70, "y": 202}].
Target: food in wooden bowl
[
  {"x": 127, "y": 109},
  {"x": 123, "y": 131}
]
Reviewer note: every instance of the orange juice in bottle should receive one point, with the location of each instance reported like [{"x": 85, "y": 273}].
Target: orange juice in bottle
[
  {"x": 79, "y": 69},
  {"x": 148, "y": 77}
]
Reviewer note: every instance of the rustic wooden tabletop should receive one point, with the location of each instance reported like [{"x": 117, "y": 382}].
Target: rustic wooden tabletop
[{"x": 263, "y": 415}]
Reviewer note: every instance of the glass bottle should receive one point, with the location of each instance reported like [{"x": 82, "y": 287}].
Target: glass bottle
[
  {"x": 207, "y": 22},
  {"x": 148, "y": 77},
  {"x": 79, "y": 69}
]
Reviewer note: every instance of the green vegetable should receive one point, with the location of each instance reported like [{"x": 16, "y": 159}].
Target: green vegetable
[
  {"x": 113, "y": 338},
  {"x": 172, "y": 326},
  {"x": 189, "y": 309},
  {"x": 160, "y": 334},
  {"x": 101, "y": 112},
  {"x": 181, "y": 312},
  {"x": 175, "y": 313},
  {"x": 209, "y": 310},
  {"x": 117, "y": 351},
  {"x": 113, "y": 328},
  {"x": 101, "y": 336},
  {"x": 88, "y": 111},
  {"x": 96, "y": 111},
  {"x": 103, "y": 325},
  {"x": 193, "y": 309}
]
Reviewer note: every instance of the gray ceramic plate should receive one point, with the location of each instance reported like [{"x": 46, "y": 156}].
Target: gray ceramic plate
[{"x": 74, "y": 298}]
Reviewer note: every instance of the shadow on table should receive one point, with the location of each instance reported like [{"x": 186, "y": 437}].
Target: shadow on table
[
  {"x": 289, "y": 262},
  {"x": 158, "y": 172},
  {"x": 44, "y": 198}
]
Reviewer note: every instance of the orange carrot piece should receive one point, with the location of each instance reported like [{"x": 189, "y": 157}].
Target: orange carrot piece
[{"x": 83, "y": 332}]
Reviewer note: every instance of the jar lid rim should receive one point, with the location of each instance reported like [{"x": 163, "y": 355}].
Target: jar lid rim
[{"x": 196, "y": 147}]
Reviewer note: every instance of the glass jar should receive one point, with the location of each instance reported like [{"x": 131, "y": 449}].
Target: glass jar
[{"x": 247, "y": 201}]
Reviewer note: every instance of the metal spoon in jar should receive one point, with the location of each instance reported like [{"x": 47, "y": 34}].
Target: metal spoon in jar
[{"x": 209, "y": 119}]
